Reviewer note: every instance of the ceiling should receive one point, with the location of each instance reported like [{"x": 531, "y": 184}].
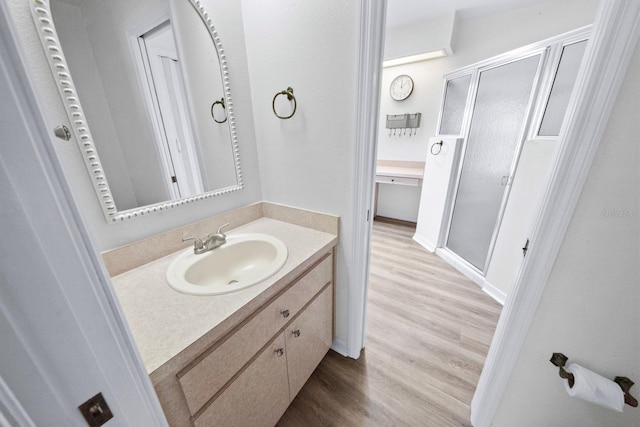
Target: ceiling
[{"x": 402, "y": 12}]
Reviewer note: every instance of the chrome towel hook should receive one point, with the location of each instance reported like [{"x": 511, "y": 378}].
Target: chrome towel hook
[
  {"x": 224, "y": 109},
  {"x": 289, "y": 94}
]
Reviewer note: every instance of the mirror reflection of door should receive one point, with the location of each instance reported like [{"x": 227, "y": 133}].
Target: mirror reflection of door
[{"x": 166, "y": 89}]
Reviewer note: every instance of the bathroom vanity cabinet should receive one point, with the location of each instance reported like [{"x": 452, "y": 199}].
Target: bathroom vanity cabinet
[
  {"x": 250, "y": 376},
  {"x": 238, "y": 358}
]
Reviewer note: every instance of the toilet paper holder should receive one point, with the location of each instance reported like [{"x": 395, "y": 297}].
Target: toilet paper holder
[{"x": 559, "y": 360}]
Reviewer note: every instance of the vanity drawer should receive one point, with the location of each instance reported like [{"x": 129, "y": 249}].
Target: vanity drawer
[
  {"x": 258, "y": 397},
  {"x": 206, "y": 378},
  {"x": 385, "y": 179}
]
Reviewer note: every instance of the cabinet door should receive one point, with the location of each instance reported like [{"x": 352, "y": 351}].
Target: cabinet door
[
  {"x": 202, "y": 381},
  {"x": 308, "y": 339},
  {"x": 258, "y": 397}
]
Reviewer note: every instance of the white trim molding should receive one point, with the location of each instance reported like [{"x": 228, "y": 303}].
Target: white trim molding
[
  {"x": 495, "y": 293},
  {"x": 472, "y": 274},
  {"x": 422, "y": 241},
  {"x": 11, "y": 411},
  {"x": 371, "y": 43},
  {"x": 609, "y": 50},
  {"x": 340, "y": 347},
  {"x": 462, "y": 265}
]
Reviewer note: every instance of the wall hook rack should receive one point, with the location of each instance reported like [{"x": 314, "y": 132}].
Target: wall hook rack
[
  {"x": 289, "y": 94},
  {"x": 399, "y": 123},
  {"x": 559, "y": 360}
]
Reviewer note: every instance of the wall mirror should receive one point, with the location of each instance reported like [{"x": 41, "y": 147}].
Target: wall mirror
[{"x": 145, "y": 85}]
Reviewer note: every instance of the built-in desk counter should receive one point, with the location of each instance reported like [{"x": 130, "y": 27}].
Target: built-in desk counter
[{"x": 397, "y": 172}]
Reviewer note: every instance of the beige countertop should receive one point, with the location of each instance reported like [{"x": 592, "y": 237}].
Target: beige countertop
[
  {"x": 400, "y": 172},
  {"x": 400, "y": 168},
  {"x": 165, "y": 322}
]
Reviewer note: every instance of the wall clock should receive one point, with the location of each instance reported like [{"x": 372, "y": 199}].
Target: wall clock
[{"x": 401, "y": 87}]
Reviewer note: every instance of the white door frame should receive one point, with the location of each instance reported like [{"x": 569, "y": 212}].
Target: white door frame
[
  {"x": 614, "y": 37},
  {"x": 372, "y": 17},
  {"x": 63, "y": 332}
]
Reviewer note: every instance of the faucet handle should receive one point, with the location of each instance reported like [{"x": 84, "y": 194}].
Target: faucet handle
[
  {"x": 220, "y": 229},
  {"x": 197, "y": 244}
]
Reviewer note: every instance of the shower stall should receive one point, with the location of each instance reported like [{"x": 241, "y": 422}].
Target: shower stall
[{"x": 495, "y": 106}]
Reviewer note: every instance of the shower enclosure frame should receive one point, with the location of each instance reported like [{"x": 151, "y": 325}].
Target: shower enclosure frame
[
  {"x": 529, "y": 110},
  {"x": 550, "y": 51}
]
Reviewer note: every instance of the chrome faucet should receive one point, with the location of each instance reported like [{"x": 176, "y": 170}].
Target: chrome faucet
[{"x": 210, "y": 242}]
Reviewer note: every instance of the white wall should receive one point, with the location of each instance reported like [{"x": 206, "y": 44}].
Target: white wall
[
  {"x": 439, "y": 172},
  {"x": 425, "y": 99},
  {"x": 529, "y": 184},
  {"x": 396, "y": 201},
  {"x": 306, "y": 161},
  {"x": 106, "y": 235},
  {"x": 590, "y": 309},
  {"x": 420, "y": 37}
]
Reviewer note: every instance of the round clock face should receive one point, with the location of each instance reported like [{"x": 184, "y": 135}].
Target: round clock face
[{"x": 401, "y": 87}]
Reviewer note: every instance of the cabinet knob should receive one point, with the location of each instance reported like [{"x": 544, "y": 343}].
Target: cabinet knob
[
  {"x": 296, "y": 333},
  {"x": 279, "y": 352},
  {"x": 285, "y": 313}
]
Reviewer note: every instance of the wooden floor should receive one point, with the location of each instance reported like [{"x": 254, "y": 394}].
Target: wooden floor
[{"x": 428, "y": 332}]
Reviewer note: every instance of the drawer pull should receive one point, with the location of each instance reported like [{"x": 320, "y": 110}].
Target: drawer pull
[
  {"x": 285, "y": 313},
  {"x": 296, "y": 333},
  {"x": 279, "y": 352}
]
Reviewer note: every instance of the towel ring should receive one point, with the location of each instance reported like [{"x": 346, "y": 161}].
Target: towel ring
[
  {"x": 290, "y": 96},
  {"x": 439, "y": 149},
  {"x": 224, "y": 108}
]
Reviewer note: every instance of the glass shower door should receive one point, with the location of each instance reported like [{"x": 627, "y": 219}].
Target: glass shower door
[{"x": 497, "y": 125}]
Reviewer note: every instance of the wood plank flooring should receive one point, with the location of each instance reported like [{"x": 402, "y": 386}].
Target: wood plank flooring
[{"x": 428, "y": 333}]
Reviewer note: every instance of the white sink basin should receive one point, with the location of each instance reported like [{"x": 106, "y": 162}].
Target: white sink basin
[{"x": 245, "y": 260}]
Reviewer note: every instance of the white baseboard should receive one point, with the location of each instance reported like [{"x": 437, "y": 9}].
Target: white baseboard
[
  {"x": 495, "y": 293},
  {"x": 461, "y": 265},
  {"x": 471, "y": 273},
  {"x": 340, "y": 347},
  {"x": 424, "y": 243}
]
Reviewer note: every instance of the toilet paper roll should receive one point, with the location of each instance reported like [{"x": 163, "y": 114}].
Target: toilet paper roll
[{"x": 594, "y": 388}]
